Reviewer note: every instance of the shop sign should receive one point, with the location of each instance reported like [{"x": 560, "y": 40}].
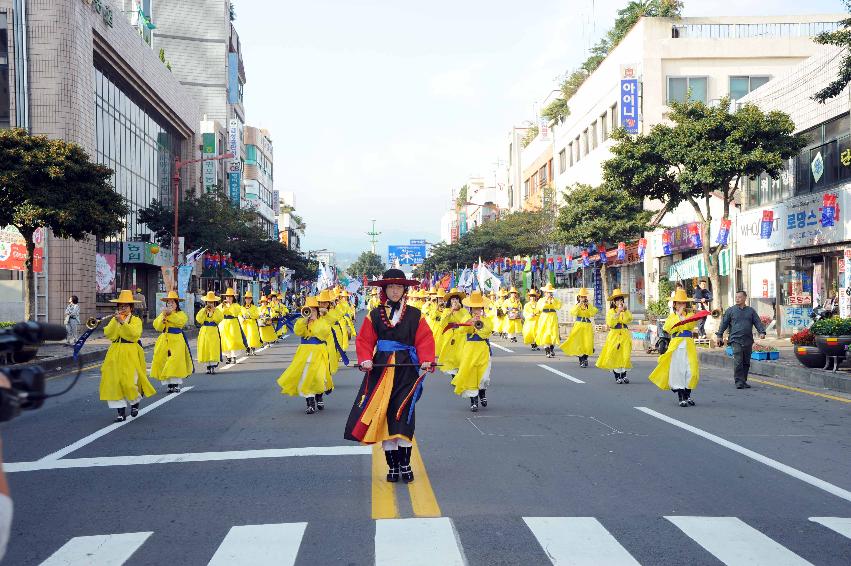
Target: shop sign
[
  {"x": 845, "y": 294},
  {"x": 629, "y": 99},
  {"x": 803, "y": 221},
  {"x": 749, "y": 231},
  {"x": 13, "y": 249},
  {"x": 794, "y": 319},
  {"x": 234, "y": 188},
  {"x": 681, "y": 239},
  {"x": 144, "y": 252}
]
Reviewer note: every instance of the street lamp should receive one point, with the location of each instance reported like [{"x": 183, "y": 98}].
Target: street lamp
[{"x": 178, "y": 165}]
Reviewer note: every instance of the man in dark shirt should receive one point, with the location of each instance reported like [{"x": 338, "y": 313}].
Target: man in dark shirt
[
  {"x": 703, "y": 301},
  {"x": 741, "y": 319}
]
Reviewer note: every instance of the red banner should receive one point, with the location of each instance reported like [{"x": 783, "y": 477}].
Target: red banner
[{"x": 13, "y": 250}]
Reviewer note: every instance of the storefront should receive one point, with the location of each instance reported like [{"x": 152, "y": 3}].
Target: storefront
[
  {"x": 799, "y": 264},
  {"x": 129, "y": 265}
]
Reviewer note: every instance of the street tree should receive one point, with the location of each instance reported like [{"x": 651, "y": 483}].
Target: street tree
[
  {"x": 54, "y": 184},
  {"x": 368, "y": 264},
  {"x": 840, "y": 38},
  {"x": 704, "y": 153},
  {"x": 600, "y": 215}
]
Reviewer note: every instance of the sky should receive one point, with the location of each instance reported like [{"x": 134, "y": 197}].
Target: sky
[{"x": 379, "y": 109}]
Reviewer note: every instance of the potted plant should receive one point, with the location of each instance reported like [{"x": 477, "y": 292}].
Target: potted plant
[
  {"x": 832, "y": 336},
  {"x": 806, "y": 351},
  {"x": 763, "y": 352}
]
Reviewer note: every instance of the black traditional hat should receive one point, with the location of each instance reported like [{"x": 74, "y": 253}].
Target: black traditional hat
[{"x": 394, "y": 277}]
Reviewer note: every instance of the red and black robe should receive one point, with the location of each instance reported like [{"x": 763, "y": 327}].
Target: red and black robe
[{"x": 381, "y": 408}]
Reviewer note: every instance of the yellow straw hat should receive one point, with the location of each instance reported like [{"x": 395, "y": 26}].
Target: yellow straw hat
[
  {"x": 210, "y": 297},
  {"x": 263, "y": 299},
  {"x": 311, "y": 302},
  {"x": 325, "y": 296},
  {"x": 583, "y": 292},
  {"x": 549, "y": 288},
  {"x": 681, "y": 297},
  {"x": 454, "y": 293},
  {"x": 615, "y": 294},
  {"x": 248, "y": 295},
  {"x": 229, "y": 292},
  {"x": 503, "y": 292},
  {"x": 533, "y": 293},
  {"x": 513, "y": 290},
  {"x": 476, "y": 300},
  {"x": 125, "y": 297},
  {"x": 441, "y": 293},
  {"x": 172, "y": 296}
]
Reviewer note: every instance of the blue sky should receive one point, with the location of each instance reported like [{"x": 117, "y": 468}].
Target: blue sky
[{"x": 378, "y": 109}]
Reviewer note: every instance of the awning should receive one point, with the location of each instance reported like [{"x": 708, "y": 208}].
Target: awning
[{"x": 694, "y": 266}]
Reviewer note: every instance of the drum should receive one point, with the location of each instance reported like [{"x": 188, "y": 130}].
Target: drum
[{"x": 513, "y": 314}]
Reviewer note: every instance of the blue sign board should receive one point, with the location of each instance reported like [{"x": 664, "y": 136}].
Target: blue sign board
[
  {"x": 629, "y": 105},
  {"x": 417, "y": 242},
  {"x": 234, "y": 186},
  {"x": 233, "y": 78},
  {"x": 407, "y": 255}
]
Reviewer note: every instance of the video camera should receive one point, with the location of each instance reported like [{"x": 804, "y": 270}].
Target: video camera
[{"x": 19, "y": 344}]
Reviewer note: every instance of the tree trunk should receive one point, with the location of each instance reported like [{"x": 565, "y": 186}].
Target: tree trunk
[
  {"x": 29, "y": 276},
  {"x": 711, "y": 267}
]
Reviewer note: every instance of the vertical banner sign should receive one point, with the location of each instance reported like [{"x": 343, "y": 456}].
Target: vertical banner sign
[
  {"x": 629, "y": 99},
  {"x": 828, "y": 210},
  {"x": 694, "y": 236},
  {"x": 559, "y": 264},
  {"x": 845, "y": 294},
  {"x": 621, "y": 251},
  {"x": 569, "y": 264},
  {"x": 598, "y": 288},
  {"x": 723, "y": 232},
  {"x": 234, "y": 186},
  {"x": 666, "y": 243},
  {"x": 601, "y": 249},
  {"x": 585, "y": 258},
  {"x": 642, "y": 247},
  {"x": 766, "y": 224},
  {"x": 233, "y": 78}
]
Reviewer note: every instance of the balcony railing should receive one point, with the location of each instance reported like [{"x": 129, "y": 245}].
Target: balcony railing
[{"x": 744, "y": 31}]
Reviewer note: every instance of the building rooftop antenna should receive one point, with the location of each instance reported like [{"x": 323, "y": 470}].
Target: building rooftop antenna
[{"x": 373, "y": 236}]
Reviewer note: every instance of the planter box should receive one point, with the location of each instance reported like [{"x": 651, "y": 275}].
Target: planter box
[{"x": 757, "y": 355}]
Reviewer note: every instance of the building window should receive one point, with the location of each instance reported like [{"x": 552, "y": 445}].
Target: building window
[
  {"x": 570, "y": 153},
  {"x": 585, "y": 148},
  {"x": 693, "y": 87},
  {"x": 613, "y": 117},
  {"x": 604, "y": 128},
  {"x": 526, "y": 184},
  {"x": 5, "y": 102},
  {"x": 578, "y": 147},
  {"x": 742, "y": 85},
  {"x": 562, "y": 161},
  {"x": 542, "y": 176},
  {"x": 594, "y": 135}
]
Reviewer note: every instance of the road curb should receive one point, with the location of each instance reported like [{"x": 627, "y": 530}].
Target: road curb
[{"x": 817, "y": 378}]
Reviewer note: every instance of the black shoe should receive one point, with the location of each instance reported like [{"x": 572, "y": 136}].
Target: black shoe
[
  {"x": 690, "y": 401},
  {"x": 683, "y": 403},
  {"x": 404, "y": 456},
  {"x": 311, "y": 406},
  {"x": 746, "y": 385},
  {"x": 134, "y": 410},
  {"x": 177, "y": 389},
  {"x": 483, "y": 400},
  {"x": 474, "y": 405},
  {"x": 320, "y": 404},
  {"x": 624, "y": 379},
  {"x": 393, "y": 466},
  {"x": 740, "y": 385},
  {"x": 122, "y": 415}
]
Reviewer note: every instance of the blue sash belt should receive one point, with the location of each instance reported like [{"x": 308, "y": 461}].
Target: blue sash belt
[
  {"x": 394, "y": 346},
  {"x": 312, "y": 341},
  {"x": 582, "y": 319},
  {"x": 684, "y": 334},
  {"x": 619, "y": 325},
  {"x": 174, "y": 331},
  {"x": 549, "y": 310},
  {"x": 208, "y": 323},
  {"x": 185, "y": 340},
  {"x": 477, "y": 338},
  {"x": 229, "y": 316},
  {"x": 343, "y": 356}
]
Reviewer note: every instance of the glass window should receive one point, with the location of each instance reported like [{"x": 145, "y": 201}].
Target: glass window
[
  {"x": 585, "y": 148},
  {"x": 594, "y": 135},
  {"x": 677, "y": 88},
  {"x": 576, "y": 144},
  {"x": 570, "y": 153},
  {"x": 542, "y": 175},
  {"x": 613, "y": 118},
  {"x": 837, "y": 128},
  {"x": 680, "y": 87},
  {"x": 739, "y": 87},
  {"x": 604, "y": 128},
  {"x": 562, "y": 161}
]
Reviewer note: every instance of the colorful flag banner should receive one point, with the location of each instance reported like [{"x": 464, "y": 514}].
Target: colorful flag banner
[
  {"x": 694, "y": 236},
  {"x": 828, "y": 210},
  {"x": 666, "y": 243},
  {"x": 723, "y": 232},
  {"x": 621, "y": 251},
  {"x": 601, "y": 250},
  {"x": 766, "y": 225}
]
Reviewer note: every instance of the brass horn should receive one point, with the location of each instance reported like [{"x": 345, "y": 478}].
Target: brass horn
[
  {"x": 478, "y": 325},
  {"x": 305, "y": 311},
  {"x": 92, "y": 322}
]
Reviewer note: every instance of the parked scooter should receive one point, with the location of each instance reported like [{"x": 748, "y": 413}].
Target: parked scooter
[{"x": 657, "y": 340}]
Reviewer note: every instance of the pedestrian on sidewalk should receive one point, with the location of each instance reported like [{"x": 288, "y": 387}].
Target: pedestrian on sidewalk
[
  {"x": 393, "y": 346},
  {"x": 530, "y": 319},
  {"x": 123, "y": 374},
  {"x": 678, "y": 368},
  {"x": 474, "y": 375},
  {"x": 740, "y": 320},
  {"x": 308, "y": 373},
  {"x": 580, "y": 341},
  {"x": 233, "y": 339},
  {"x": 617, "y": 351},
  {"x": 72, "y": 319},
  {"x": 547, "y": 334},
  {"x": 209, "y": 339},
  {"x": 249, "y": 315},
  {"x": 172, "y": 362},
  {"x": 703, "y": 302}
]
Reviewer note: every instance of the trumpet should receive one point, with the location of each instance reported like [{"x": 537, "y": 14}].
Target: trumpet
[
  {"x": 305, "y": 312},
  {"x": 478, "y": 324},
  {"x": 92, "y": 322}
]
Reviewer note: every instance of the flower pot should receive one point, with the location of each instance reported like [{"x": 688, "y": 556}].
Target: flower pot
[
  {"x": 833, "y": 345},
  {"x": 810, "y": 356}
]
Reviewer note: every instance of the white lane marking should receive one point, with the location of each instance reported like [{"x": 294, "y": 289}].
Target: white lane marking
[
  {"x": 98, "y": 549},
  {"x": 503, "y": 348},
  {"x": 260, "y": 545},
  {"x": 561, "y": 373},
  {"x": 734, "y": 542},
  {"x": 838, "y": 524},
  {"x": 107, "y": 429},
  {"x": 188, "y": 457},
  {"x": 417, "y": 542},
  {"x": 779, "y": 466},
  {"x": 578, "y": 541}
]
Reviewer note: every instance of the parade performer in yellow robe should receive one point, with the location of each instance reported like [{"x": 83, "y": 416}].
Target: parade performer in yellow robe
[
  {"x": 349, "y": 312},
  {"x": 123, "y": 374},
  {"x": 474, "y": 375},
  {"x": 233, "y": 340},
  {"x": 267, "y": 319},
  {"x": 580, "y": 341},
  {"x": 307, "y": 375},
  {"x": 513, "y": 315},
  {"x": 547, "y": 332},
  {"x": 530, "y": 319},
  {"x": 490, "y": 310},
  {"x": 501, "y": 322},
  {"x": 440, "y": 309},
  {"x": 452, "y": 340},
  {"x": 616, "y": 354},
  {"x": 209, "y": 340},
  {"x": 373, "y": 299},
  {"x": 678, "y": 368},
  {"x": 250, "y": 313},
  {"x": 172, "y": 361},
  {"x": 332, "y": 342}
]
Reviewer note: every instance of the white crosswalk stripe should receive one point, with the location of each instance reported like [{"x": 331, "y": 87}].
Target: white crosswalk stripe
[
  {"x": 98, "y": 550},
  {"x": 578, "y": 541},
  {"x": 417, "y": 542},
  {"x": 734, "y": 542},
  {"x": 260, "y": 545},
  {"x": 838, "y": 524}
]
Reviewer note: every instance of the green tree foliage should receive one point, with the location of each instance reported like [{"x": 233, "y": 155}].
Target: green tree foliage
[
  {"x": 54, "y": 184},
  {"x": 601, "y": 215},
  {"x": 531, "y": 133},
  {"x": 705, "y": 152},
  {"x": 628, "y": 16},
  {"x": 368, "y": 264},
  {"x": 463, "y": 195},
  {"x": 840, "y": 38}
]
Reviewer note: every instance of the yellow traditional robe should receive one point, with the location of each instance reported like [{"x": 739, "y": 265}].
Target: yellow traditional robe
[
  {"x": 580, "y": 342},
  {"x": 617, "y": 351}
]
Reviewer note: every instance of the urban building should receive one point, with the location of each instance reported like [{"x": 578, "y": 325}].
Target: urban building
[
  {"x": 801, "y": 262},
  {"x": 536, "y": 166},
  {"x": 259, "y": 179},
  {"x": 290, "y": 224},
  {"x": 515, "y": 168},
  {"x": 86, "y": 72}
]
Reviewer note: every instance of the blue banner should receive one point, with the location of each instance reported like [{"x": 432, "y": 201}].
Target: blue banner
[
  {"x": 233, "y": 78},
  {"x": 184, "y": 272},
  {"x": 629, "y": 105},
  {"x": 407, "y": 255},
  {"x": 234, "y": 188}
]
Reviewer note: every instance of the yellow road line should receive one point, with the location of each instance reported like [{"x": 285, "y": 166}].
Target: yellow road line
[
  {"x": 383, "y": 493},
  {"x": 799, "y": 390},
  {"x": 423, "y": 500}
]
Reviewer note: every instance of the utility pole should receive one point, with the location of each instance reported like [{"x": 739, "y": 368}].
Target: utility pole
[{"x": 373, "y": 236}]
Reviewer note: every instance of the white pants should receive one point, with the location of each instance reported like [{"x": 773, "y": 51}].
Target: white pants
[
  {"x": 395, "y": 443},
  {"x": 123, "y": 403}
]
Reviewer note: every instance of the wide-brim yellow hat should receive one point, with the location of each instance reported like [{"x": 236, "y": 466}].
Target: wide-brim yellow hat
[
  {"x": 513, "y": 290},
  {"x": 454, "y": 293},
  {"x": 248, "y": 295},
  {"x": 533, "y": 293},
  {"x": 441, "y": 293},
  {"x": 615, "y": 294},
  {"x": 549, "y": 288},
  {"x": 312, "y": 302},
  {"x": 503, "y": 292},
  {"x": 476, "y": 300},
  {"x": 125, "y": 297},
  {"x": 210, "y": 297},
  {"x": 325, "y": 296},
  {"x": 583, "y": 292},
  {"x": 263, "y": 299},
  {"x": 172, "y": 296},
  {"x": 279, "y": 295},
  {"x": 681, "y": 297},
  {"x": 229, "y": 292}
]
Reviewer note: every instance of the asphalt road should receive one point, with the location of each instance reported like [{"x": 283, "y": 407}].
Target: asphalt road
[{"x": 552, "y": 471}]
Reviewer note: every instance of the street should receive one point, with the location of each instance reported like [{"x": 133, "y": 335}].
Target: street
[{"x": 563, "y": 466}]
